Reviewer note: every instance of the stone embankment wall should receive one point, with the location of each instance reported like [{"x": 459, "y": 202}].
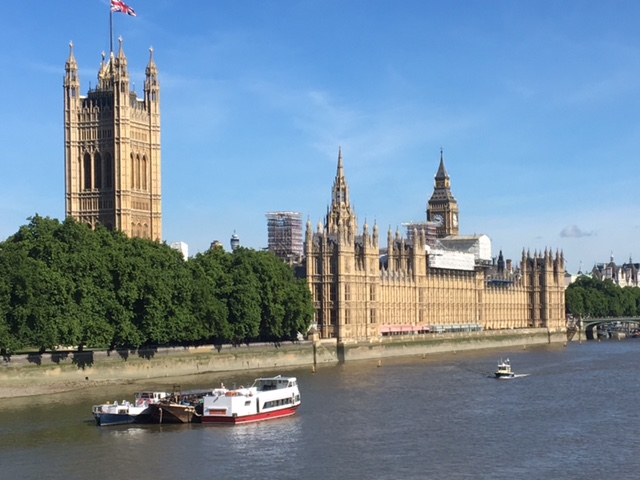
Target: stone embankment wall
[
  {"x": 128, "y": 365},
  {"x": 443, "y": 342}
]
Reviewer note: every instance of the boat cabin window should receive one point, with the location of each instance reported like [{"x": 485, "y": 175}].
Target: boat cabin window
[{"x": 265, "y": 384}]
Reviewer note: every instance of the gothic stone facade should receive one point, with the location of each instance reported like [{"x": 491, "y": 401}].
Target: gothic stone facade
[
  {"x": 625, "y": 275},
  {"x": 357, "y": 296},
  {"x": 112, "y": 149}
]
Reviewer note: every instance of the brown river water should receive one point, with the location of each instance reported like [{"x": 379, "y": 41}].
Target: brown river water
[{"x": 574, "y": 416}]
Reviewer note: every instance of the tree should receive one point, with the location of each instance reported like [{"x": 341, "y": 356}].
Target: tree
[
  {"x": 243, "y": 299},
  {"x": 299, "y": 312},
  {"x": 210, "y": 286},
  {"x": 65, "y": 284},
  {"x": 601, "y": 298}
]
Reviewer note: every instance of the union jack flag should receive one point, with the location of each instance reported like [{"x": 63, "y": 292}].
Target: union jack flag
[{"x": 120, "y": 6}]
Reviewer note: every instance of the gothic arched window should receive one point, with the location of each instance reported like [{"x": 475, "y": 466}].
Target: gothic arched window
[
  {"x": 87, "y": 171},
  {"x": 138, "y": 172},
  {"x": 97, "y": 178},
  {"x": 144, "y": 173},
  {"x": 108, "y": 171},
  {"x": 133, "y": 169}
]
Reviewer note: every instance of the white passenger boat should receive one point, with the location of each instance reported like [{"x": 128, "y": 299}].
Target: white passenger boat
[
  {"x": 504, "y": 369},
  {"x": 267, "y": 398},
  {"x": 126, "y": 412}
]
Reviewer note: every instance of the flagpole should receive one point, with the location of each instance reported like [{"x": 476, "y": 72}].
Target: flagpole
[{"x": 110, "y": 31}]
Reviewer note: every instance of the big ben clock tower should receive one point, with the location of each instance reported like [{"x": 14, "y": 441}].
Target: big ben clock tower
[{"x": 443, "y": 207}]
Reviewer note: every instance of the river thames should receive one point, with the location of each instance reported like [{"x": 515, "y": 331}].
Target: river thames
[{"x": 575, "y": 416}]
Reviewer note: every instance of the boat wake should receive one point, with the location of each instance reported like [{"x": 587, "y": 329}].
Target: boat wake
[{"x": 515, "y": 375}]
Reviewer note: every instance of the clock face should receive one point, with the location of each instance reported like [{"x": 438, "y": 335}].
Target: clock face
[{"x": 439, "y": 219}]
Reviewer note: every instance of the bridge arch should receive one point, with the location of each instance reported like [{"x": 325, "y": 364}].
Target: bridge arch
[{"x": 591, "y": 324}]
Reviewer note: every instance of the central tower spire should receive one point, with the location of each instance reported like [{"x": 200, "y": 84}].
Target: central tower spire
[{"x": 340, "y": 217}]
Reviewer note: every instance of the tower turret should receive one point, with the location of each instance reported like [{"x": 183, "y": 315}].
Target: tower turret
[
  {"x": 71, "y": 79},
  {"x": 152, "y": 109},
  {"x": 119, "y": 72},
  {"x": 72, "y": 104},
  {"x": 152, "y": 86},
  {"x": 375, "y": 234}
]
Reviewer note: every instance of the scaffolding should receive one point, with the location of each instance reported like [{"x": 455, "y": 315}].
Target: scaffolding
[
  {"x": 428, "y": 228},
  {"x": 285, "y": 235}
]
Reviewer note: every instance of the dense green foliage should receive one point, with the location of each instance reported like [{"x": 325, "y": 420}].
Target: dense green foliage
[
  {"x": 588, "y": 297},
  {"x": 65, "y": 284}
]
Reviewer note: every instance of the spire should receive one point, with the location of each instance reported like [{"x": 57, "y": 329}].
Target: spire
[
  {"x": 103, "y": 66},
  {"x": 152, "y": 69},
  {"x": 71, "y": 67},
  {"x": 121, "y": 60},
  {"x": 71, "y": 79},
  {"x": 120, "y": 48},
  {"x": 340, "y": 188},
  {"x": 151, "y": 59},
  {"x": 442, "y": 171},
  {"x": 340, "y": 213},
  {"x": 500, "y": 262},
  {"x": 366, "y": 238},
  {"x": 71, "y": 62},
  {"x": 151, "y": 83}
]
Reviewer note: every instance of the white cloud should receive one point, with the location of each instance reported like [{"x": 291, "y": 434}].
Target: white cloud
[{"x": 574, "y": 232}]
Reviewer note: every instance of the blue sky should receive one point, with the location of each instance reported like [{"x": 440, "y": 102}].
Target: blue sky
[{"x": 536, "y": 105}]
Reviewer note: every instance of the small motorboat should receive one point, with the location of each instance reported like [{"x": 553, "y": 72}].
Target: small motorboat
[
  {"x": 504, "y": 369},
  {"x": 126, "y": 412}
]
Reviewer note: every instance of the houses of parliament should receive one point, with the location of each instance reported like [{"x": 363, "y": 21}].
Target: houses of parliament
[{"x": 432, "y": 280}]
